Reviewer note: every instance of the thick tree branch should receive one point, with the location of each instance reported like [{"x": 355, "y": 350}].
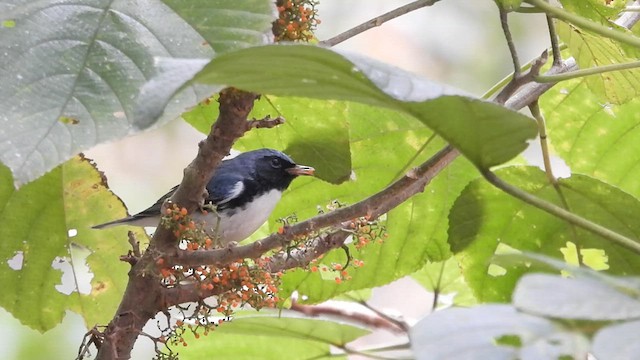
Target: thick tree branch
[{"x": 144, "y": 297}]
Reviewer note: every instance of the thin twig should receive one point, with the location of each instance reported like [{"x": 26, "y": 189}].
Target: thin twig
[
  {"x": 376, "y": 322},
  {"x": 546, "y": 157},
  {"x": 553, "y": 36},
  {"x": 399, "y": 323},
  {"x": 510, "y": 44},
  {"x": 135, "y": 244},
  {"x": 521, "y": 80},
  {"x": 377, "y": 21},
  {"x": 265, "y": 123}
]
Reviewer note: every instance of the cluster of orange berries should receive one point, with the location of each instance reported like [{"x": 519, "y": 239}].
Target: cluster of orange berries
[
  {"x": 185, "y": 229},
  {"x": 297, "y": 20},
  {"x": 248, "y": 284},
  {"x": 366, "y": 231}
]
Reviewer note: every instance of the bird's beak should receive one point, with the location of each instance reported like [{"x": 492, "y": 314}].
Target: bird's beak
[{"x": 301, "y": 170}]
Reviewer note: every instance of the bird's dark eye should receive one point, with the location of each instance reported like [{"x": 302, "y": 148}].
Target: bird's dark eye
[{"x": 276, "y": 163}]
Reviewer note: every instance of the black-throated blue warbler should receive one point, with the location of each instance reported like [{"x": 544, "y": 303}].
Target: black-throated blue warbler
[{"x": 244, "y": 191}]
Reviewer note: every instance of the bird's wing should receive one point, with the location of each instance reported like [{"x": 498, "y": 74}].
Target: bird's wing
[{"x": 224, "y": 188}]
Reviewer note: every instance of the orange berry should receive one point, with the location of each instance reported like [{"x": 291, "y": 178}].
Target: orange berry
[
  {"x": 183, "y": 211},
  {"x": 338, "y": 280},
  {"x": 314, "y": 269}
]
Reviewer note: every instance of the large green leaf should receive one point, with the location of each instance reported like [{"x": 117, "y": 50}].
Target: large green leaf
[
  {"x": 383, "y": 145},
  {"x": 484, "y": 132},
  {"x": 43, "y": 223},
  {"x": 315, "y": 133},
  {"x": 596, "y": 139},
  {"x": 273, "y": 337},
  {"x": 493, "y": 332},
  {"x": 597, "y": 10},
  {"x": 71, "y": 70},
  {"x": 445, "y": 278},
  {"x": 591, "y": 50},
  {"x": 485, "y": 221}
]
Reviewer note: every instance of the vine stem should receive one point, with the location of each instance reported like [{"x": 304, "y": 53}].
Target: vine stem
[
  {"x": 546, "y": 157},
  {"x": 512, "y": 47},
  {"x": 553, "y": 37},
  {"x": 586, "y": 72},
  {"x": 377, "y": 21},
  {"x": 569, "y": 17},
  {"x": 560, "y": 212}
]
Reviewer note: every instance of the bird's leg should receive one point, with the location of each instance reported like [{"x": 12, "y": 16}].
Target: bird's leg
[{"x": 210, "y": 207}]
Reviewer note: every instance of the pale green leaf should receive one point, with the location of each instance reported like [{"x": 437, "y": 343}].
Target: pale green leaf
[
  {"x": 582, "y": 298},
  {"x": 617, "y": 341},
  {"x": 44, "y": 223},
  {"x": 273, "y": 337},
  {"x": 590, "y": 50},
  {"x": 493, "y": 332},
  {"x": 596, "y": 139}
]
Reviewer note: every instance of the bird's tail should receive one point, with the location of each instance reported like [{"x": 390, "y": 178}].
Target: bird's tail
[{"x": 135, "y": 220}]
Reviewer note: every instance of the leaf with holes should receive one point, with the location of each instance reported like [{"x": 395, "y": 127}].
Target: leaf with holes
[
  {"x": 485, "y": 221},
  {"x": 46, "y": 228}
]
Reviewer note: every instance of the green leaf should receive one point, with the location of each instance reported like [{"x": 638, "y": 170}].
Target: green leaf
[
  {"x": 596, "y": 10},
  {"x": 581, "y": 298},
  {"x": 272, "y": 337},
  {"x": 315, "y": 132},
  {"x": 482, "y": 333},
  {"x": 44, "y": 223},
  {"x": 485, "y": 221},
  {"x": 417, "y": 229},
  {"x": 593, "y": 138},
  {"x": 82, "y": 61},
  {"x": 484, "y": 132},
  {"x": 591, "y": 50},
  {"x": 617, "y": 341},
  {"x": 227, "y": 25}
]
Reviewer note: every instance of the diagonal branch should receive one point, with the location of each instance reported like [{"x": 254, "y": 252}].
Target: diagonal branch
[
  {"x": 377, "y": 21},
  {"x": 374, "y": 206}
]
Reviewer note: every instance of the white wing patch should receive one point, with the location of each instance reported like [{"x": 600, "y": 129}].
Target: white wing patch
[{"x": 238, "y": 188}]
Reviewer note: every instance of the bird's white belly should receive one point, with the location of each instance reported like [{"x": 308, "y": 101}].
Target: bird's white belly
[{"x": 243, "y": 222}]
